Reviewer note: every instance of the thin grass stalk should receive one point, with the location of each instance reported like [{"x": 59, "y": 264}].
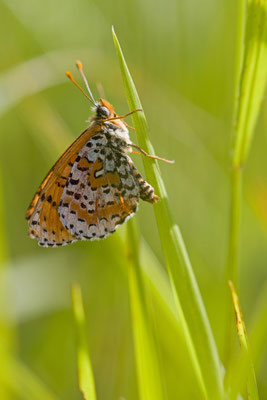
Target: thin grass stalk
[
  {"x": 197, "y": 328},
  {"x": 22, "y": 382},
  {"x": 250, "y": 82},
  {"x": 235, "y": 186},
  {"x": 7, "y": 334},
  {"x": 248, "y": 367},
  {"x": 233, "y": 253},
  {"x": 156, "y": 280},
  {"x": 240, "y": 366},
  {"x": 147, "y": 361},
  {"x": 235, "y": 214},
  {"x": 85, "y": 371}
]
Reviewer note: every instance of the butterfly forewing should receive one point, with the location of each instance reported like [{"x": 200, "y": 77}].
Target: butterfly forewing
[{"x": 44, "y": 222}]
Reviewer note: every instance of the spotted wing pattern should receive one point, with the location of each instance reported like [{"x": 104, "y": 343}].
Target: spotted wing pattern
[
  {"x": 42, "y": 214},
  {"x": 102, "y": 191},
  {"x": 92, "y": 189}
]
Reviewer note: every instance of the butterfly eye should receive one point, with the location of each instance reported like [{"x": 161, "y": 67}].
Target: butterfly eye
[{"x": 102, "y": 112}]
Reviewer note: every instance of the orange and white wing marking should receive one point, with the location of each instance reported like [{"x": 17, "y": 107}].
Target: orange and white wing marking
[
  {"x": 42, "y": 214},
  {"x": 91, "y": 190},
  {"x": 102, "y": 191}
]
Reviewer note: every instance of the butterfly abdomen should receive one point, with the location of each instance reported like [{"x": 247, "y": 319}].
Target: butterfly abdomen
[{"x": 146, "y": 191}]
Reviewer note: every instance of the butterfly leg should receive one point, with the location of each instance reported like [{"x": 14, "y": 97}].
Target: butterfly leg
[{"x": 148, "y": 155}]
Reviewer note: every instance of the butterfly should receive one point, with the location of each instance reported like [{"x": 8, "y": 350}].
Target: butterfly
[{"x": 94, "y": 187}]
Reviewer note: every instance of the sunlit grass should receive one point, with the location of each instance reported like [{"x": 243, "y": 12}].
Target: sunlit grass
[
  {"x": 250, "y": 84},
  {"x": 171, "y": 54},
  {"x": 190, "y": 306},
  {"x": 150, "y": 381},
  {"x": 21, "y": 381},
  {"x": 248, "y": 370},
  {"x": 85, "y": 373}
]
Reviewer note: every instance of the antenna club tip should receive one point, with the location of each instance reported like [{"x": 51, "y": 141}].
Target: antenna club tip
[
  {"x": 79, "y": 65},
  {"x": 69, "y": 75}
]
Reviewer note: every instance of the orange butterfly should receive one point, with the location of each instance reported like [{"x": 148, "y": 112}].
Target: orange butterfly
[{"x": 94, "y": 186}]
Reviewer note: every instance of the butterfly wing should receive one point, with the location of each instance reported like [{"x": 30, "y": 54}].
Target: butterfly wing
[
  {"x": 101, "y": 193},
  {"x": 42, "y": 214},
  {"x": 88, "y": 193}
]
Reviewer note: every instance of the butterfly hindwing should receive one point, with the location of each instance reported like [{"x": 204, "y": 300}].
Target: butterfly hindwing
[{"x": 101, "y": 192}]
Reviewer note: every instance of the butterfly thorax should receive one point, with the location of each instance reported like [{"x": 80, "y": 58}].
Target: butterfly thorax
[
  {"x": 115, "y": 130},
  {"x": 118, "y": 137}
]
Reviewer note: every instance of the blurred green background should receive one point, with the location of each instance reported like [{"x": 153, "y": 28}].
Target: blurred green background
[{"x": 182, "y": 58}]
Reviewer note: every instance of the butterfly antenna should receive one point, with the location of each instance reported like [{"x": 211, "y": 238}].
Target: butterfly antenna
[
  {"x": 80, "y": 69},
  {"x": 69, "y": 75}
]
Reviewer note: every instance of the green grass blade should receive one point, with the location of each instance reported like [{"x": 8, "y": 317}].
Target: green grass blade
[
  {"x": 6, "y": 327},
  {"x": 240, "y": 365},
  {"x": 156, "y": 277},
  {"x": 196, "y": 325},
  {"x": 6, "y": 334},
  {"x": 147, "y": 361},
  {"x": 22, "y": 381},
  {"x": 85, "y": 372},
  {"x": 247, "y": 363},
  {"x": 252, "y": 79},
  {"x": 250, "y": 84}
]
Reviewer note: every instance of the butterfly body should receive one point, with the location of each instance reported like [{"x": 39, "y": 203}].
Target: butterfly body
[{"x": 92, "y": 189}]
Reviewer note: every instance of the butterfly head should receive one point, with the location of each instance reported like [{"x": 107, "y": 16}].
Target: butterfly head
[
  {"x": 104, "y": 113},
  {"x": 104, "y": 110}
]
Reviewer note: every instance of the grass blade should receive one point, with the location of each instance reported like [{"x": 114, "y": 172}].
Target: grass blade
[
  {"x": 147, "y": 362},
  {"x": 6, "y": 331},
  {"x": 236, "y": 375},
  {"x": 251, "y": 80},
  {"x": 251, "y": 84},
  {"x": 196, "y": 325},
  {"x": 246, "y": 357},
  {"x": 23, "y": 382},
  {"x": 7, "y": 334},
  {"x": 85, "y": 372}
]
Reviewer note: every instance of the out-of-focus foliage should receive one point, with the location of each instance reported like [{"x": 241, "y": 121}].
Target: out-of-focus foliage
[{"x": 182, "y": 58}]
